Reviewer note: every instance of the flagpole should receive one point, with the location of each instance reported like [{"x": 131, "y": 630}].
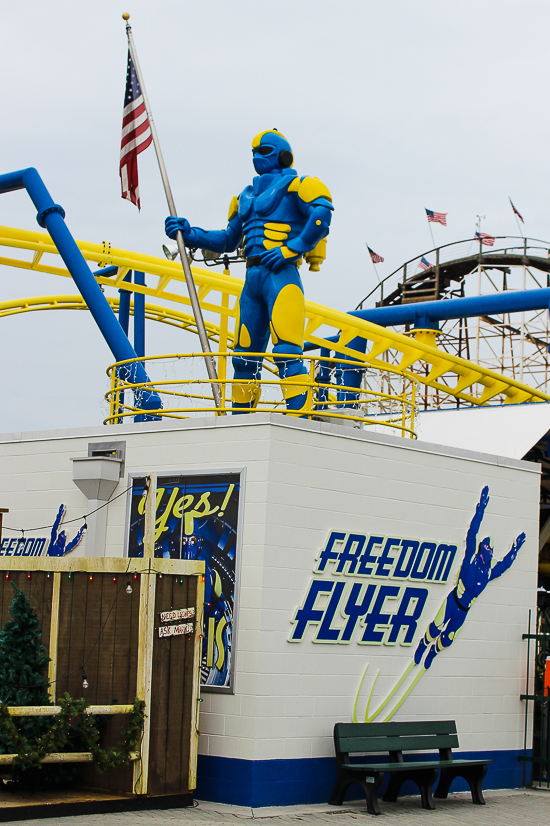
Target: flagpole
[
  {"x": 431, "y": 233},
  {"x": 195, "y": 305},
  {"x": 517, "y": 222}
]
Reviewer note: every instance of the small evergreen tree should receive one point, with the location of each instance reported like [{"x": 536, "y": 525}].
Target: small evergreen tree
[{"x": 24, "y": 682}]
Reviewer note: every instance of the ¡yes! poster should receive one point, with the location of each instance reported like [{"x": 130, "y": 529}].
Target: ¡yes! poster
[{"x": 197, "y": 517}]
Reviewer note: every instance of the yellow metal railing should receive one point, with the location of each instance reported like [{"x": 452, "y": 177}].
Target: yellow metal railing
[{"x": 183, "y": 398}]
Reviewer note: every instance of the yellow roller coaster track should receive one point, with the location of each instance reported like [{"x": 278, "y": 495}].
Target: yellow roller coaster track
[
  {"x": 153, "y": 312},
  {"x": 218, "y": 294}
]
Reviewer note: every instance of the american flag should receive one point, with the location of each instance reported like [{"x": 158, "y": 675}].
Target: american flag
[
  {"x": 424, "y": 264},
  {"x": 515, "y": 211},
  {"x": 486, "y": 239},
  {"x": 436, "y": 217},
  {"x": 376, "y": 259},
  {"x": 136, "y": 135}
]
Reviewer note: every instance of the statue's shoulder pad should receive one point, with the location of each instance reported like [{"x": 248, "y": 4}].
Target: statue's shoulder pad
[
  {"x": 309, "y": 189},
  {"x": 233, "y": 207}
]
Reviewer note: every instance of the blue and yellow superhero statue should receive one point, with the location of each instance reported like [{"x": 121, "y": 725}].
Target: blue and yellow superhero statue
[
  {"x": 280, "y": 218},
  {"x": 477, "y": 570}
]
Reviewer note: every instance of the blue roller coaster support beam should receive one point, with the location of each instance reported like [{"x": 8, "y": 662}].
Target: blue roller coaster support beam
[
  {"x": 124, "y": 321},
  {"x": 51, "y": 217},
  {"x": 139, "y": 316},
  {"x": 323, "y": 377},
  {"x": 124, "y": 306},
  {"x": 428, "y": 314}
]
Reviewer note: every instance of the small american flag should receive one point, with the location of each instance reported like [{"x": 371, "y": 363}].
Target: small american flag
[
  {"x": 376, "y": 259},
  {"x": 424, "y": 264},
  {"x": 486, "y": 239},
  {"x": 136, "y": 135},
  {"x": 436, "y": 217},
  {"x": 516, "y": 212}
]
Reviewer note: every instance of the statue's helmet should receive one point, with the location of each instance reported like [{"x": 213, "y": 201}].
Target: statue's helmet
[
  {"x": 271, "y": 152},
  {"x": 485, "y": 549}
]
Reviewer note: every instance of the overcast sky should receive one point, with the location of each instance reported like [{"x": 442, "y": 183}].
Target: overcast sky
[{"x": 395, "y": 105}]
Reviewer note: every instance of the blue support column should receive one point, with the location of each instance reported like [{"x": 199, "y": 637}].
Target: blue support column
[
  {"x": 139, "y": 316},
  {"x": 350, "y": 376},
  {"x": 124, "y": 307},
  {"x": 124, "y": 321},
  {"x": 323, "y": 377}
]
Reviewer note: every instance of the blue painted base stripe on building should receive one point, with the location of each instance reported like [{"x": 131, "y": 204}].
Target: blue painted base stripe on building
[{"x": 310, "y": 780}]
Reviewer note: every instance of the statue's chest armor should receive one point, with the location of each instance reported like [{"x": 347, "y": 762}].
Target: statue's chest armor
[{"x": 274, "y": 203}]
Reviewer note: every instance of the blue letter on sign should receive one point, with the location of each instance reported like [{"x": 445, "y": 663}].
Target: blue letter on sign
[
  {"x": 403, "y": 619},
  {"x": 308, "y": 613},
  {"x": 355, "y": 609},
  {"x": 409, "y": 549},
  {"x": 367, "y": 560},
  {"x": 376, "y": 618},
  {"x": 351, "y": 553},
  {"x": 325, "y": 632},
  {"x": 327, "y": 553}
]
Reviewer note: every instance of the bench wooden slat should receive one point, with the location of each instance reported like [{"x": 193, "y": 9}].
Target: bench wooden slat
[
  {"x": 388, "y": 729},
  {"x": 430, "y": 742},
  {"x": 411, "y": 765}
]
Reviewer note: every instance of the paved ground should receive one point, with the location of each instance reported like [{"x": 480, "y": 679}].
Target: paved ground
[{"x": 523, "y": 807}]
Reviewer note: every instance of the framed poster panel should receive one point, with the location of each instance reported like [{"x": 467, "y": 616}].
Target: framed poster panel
[{"x": 199, "y": 516}]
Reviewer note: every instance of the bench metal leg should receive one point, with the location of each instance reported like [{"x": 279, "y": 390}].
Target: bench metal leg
[
  {"x": 371, "y": 793},
  {"x": 394, "y": 787},
  {"x": 344, "y": 781},
  {"x": 424, "y": 779},
  {"x": 473, "y": 775},
  {"x": 341, "y": 785}
]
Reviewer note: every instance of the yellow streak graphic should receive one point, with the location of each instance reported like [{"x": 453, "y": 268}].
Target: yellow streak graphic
[
  {"x": 399, "y": 683},
  {"x": 405, "y": 695}
]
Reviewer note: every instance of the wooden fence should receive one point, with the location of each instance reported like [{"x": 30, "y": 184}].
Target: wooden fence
[{"x": 93, "y": 624}]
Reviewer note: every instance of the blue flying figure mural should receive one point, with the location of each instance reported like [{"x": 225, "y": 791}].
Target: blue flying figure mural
[
  {"x": 477, "y": 570},
  {"x": 58, "y": 539},
  {"x": 280, "y": 219}
]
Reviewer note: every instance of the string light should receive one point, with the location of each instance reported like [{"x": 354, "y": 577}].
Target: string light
[
  {"x": 28, "y": 576},
  {"x": 129, "y": 588},
  {"x": 91, "y": 578},
  {"x": 70, "y": 521},
  {"x": 85, "y": 682}
]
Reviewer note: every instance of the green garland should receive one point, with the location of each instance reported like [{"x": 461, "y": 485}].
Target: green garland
[{"x": 54, "y": 740}]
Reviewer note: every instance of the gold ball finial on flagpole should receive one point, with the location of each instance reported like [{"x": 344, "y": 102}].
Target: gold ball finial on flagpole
[{"x": 125, "y": 16}]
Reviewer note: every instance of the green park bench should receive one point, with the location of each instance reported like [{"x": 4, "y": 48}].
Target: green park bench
[{"x": 395, "y": 738}]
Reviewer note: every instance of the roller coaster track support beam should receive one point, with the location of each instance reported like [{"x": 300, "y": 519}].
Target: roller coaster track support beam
[
  {"x": 427, "y": 314},
  {"x": 51, "y": 216}
]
